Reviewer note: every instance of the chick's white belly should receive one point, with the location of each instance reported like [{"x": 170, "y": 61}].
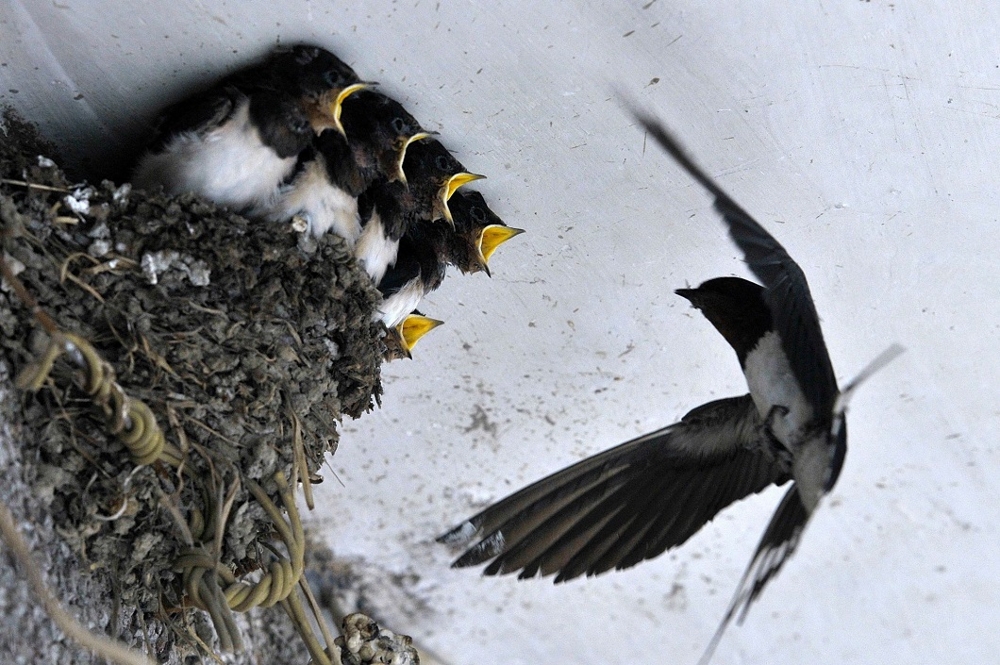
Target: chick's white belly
[
  {"x": 326, "y": 207},
  {"x": 375, "y": 249},
  {"x": 396, "y": 307},
  {"x": 228, "y": 165}
]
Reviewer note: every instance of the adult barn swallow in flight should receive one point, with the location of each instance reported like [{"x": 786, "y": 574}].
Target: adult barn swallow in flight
[
  {"x": 635, "y": 501},
  {"x": 235, "y": 143}
]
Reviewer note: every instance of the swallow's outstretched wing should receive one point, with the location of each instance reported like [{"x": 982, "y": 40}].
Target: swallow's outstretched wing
[
  {"x": 787, "y": 291},
  {"x": 629, "y": 503}
]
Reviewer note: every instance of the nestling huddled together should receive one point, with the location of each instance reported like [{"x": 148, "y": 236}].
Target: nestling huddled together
[{"x": 300, "y": 138}]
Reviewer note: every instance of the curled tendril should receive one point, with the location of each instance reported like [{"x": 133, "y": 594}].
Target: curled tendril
[
  {"x": 128, "y": 419},
  {"x": 197, "y": 565}
]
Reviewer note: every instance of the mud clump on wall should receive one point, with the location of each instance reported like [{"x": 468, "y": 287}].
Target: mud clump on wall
[{"x": 241, "y": 337}]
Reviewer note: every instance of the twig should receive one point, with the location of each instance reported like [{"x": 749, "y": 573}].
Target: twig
[{"x": 31, "y": 185}]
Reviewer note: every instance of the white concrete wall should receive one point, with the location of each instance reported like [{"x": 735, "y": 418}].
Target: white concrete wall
[{"x": 863, "y": 134}]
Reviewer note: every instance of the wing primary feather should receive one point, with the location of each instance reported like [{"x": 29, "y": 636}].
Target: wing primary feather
[
  {"x": 650, "y": 545},
  {"x": 603, "y": 552},
  {"x": 620, "y": 515},
  {"x": 557, "y": 485},
  {"x": 557, "y": 558},
  {"x": 529, "y": 542},
  {"x": 547, "y": 512}
]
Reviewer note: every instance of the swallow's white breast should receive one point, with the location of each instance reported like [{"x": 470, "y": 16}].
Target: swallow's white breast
[
  {"x": 325, "y": 206},
  {"x": 376, "y": 250},
  {"x": 229, "y": 165},
  {"x": 771, "y": 383}
]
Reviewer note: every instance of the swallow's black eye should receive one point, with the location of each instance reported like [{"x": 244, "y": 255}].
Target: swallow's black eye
[
  {"x": 332, "y": 78},
  {"x": 300, "y": 125},
  {"x": 442, "y": 163},
  {"x": 398, "y": 125},
  {"x": 477, "y": 214}
]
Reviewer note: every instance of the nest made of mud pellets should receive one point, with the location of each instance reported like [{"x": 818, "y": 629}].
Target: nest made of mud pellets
[{"x": 236, "y": 334}]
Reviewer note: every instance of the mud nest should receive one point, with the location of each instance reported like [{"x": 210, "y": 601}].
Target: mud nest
[{"x": 242, "y": 338}]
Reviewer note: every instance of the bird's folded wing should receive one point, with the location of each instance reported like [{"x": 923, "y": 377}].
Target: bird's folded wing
[
  {"x": 198, "y": 114},
  {"x": 341, "y": 166},
  {"x": 628, "y": 503}
]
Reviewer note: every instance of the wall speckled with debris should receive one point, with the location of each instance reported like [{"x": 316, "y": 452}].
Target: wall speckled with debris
[{"x": 862, "y": 134}]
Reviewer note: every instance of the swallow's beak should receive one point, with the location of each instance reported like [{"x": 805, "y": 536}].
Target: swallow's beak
[
  {"x": 398, "y": 172},
  {"x": 336, "y": 106},
  {"x": 450, "y": 187},
  {"x": 492, "y": 237},
  {"x": 415, "y": 326}
]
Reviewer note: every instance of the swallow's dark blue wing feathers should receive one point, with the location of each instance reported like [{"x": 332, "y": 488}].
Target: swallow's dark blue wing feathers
[
  {"x": 569, "y": 541},
  {"x": 341, "y": 166},
  {"x": 675, "y": 505},
  {"x": 787, "y": 291},
  {"x": 788, "y": 297},
  {"x": 629, "y": 503},
  {"x": 527, "y": 509}
]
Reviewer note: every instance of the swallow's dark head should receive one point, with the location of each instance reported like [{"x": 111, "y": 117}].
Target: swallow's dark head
[
  {"x": 315, "y": 70},
  {"x": 478, "y": 232},
  {"x": 281, "y": 122},
  {"x": 434, "y": 175},
  {"x": 736, "y": 308},
  {"x": 319, "y": 80},
  {"x": 380, "y": 130}
]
